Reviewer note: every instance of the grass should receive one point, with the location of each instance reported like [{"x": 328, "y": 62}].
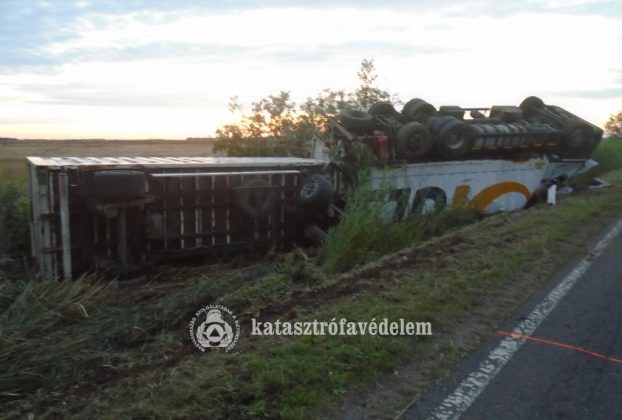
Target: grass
[
  {"x": 31, "y": 314},
  {"x": 86, "y": 350},
  {"x": 363, "y": 235},
  {"x": 608, "y": 154},
  {"x": 14, "y": 229},
  {"x": 14, "y": 171}
]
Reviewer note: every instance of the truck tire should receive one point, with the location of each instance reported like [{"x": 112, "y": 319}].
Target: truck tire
[
  {"x": 531, "y": 105},
  {"x": 354, "y": 119},
  {"x": 315, "y": 193},
  {"x": 435, "y": 123},
  {"x": 413, "y": 140},
  {"x": 117, "y": 184},
  {"x": 418, "y": 110},
  {"x": 383, "y": 109},
  {"x": 255, "y": 198},
  {"x": 455, "y": 139}
]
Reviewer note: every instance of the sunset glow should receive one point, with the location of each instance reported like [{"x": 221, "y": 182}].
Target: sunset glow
[{"x": 152, "y": 70}]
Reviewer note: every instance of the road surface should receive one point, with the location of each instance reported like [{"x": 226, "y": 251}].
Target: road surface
[{"x": 569, "y": 367}]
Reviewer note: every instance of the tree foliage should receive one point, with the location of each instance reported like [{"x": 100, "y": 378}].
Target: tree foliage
[
  {"x": 613, "y": 127},
  {"x": 276, "y": 126}
]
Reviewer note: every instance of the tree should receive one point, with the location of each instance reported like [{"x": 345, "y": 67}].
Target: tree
[
  {"x": 273, "y": 128},
  {"x": 368, "y": 93},
  {"x": 276, "y": 126},
  {"x": 613, "y": 127}
]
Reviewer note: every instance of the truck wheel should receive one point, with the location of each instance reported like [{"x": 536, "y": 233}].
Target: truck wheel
[
  {"x": 455, "y": 139},
  {"x": 383, "y": 109},
  {"x": 117, "y": 184},
  {"x": 354, "y": 119},
  {"x": 315, "y": 193},
  {"x": 531, "y": 105},
  {"x": 417, "y": 110},
  {"x": 435, "y": 123},
  {"x": 255, "y": 198},
  {"x": 413, "y": 140}
]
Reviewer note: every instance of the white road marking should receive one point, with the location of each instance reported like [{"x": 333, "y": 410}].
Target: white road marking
[{"x": 473, "y": 385}]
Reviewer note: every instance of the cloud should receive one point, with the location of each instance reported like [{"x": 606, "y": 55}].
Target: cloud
[
  {"x": 475, "y": 8},
  {"x": 30, "y": 121},
  {"x": 186, "y": 56},
  {"x": 27, "y": 28},
  {"x": 217, "y": 52},
  {"x": 114, "y": 96},
  {"x": 44, "y": 37},
  {"x": 605, "y": 93},
  {"x": 40, "y": 35}
]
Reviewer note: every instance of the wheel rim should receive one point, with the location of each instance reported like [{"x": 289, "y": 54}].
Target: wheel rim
[
  {"x": 454, "y": 141},
  {"x": 309, "y": 189},
  {"x": 416, "y": 140}
]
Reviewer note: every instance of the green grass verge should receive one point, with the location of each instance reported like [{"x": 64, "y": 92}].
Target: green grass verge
[{"x": 102, "y": 352}]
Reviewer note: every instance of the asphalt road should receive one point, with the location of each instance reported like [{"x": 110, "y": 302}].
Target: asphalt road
[{"x": 548, "y": 380}]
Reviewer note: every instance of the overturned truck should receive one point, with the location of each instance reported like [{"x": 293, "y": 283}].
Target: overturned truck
[
  {"x": 120, "y": 214},
  {"x": 496, "y": 158}
]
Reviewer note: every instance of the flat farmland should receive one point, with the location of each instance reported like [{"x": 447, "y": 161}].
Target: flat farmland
[
  {"x": 13, "y": 153},
  {"x": 16, "y": 150}
]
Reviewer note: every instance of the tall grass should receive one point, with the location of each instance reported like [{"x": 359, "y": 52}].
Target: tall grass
[
  {"x": 364, "y": 234},
  {"x": 14, "y": 234},
  {"x": 31, "y": 312}
]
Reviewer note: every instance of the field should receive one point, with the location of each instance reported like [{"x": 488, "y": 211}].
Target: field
[
  {"x": 13, "y": 154},
  {"x": 89, "y": 349}
]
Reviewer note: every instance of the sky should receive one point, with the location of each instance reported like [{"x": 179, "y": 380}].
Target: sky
[{"x": 137, "y": 69}]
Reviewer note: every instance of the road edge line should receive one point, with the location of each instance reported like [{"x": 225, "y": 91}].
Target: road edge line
[{"x": 474, "y": 384}]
